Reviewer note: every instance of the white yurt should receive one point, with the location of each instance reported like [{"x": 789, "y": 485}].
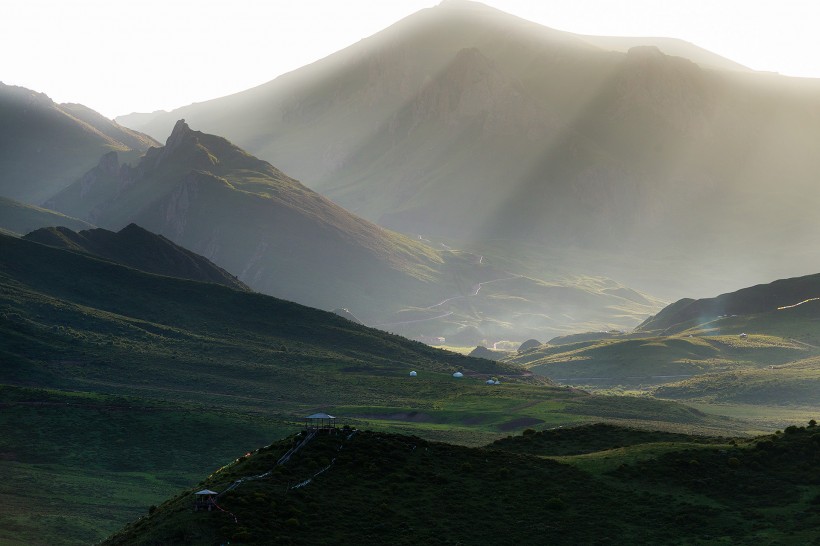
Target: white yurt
[
  {"x": 413, "y": 373},
  {"x": 490, "y": 382},
  {"x": 458, "y": 374}
]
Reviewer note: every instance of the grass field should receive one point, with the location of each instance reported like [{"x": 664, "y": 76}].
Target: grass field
[{"x": 119, "y": 397}]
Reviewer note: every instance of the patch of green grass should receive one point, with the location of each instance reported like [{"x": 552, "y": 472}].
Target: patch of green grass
[{"x": 794, "y": 383}]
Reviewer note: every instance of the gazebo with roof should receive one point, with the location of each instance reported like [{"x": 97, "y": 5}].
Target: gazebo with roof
[
  {"x": 205, "y": 500},
  {"x": 320, "y": 422}
]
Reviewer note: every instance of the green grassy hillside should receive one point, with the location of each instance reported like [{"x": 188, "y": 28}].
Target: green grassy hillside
[
  {"x": 756, "y": 345},
  {"x": 371, "y": 488},
  {"x": 656, "y": 360},
  {"x": 77, "y": 465},
  {"x": 793, "y": 383},
  {"x": 197, "y": 373}
]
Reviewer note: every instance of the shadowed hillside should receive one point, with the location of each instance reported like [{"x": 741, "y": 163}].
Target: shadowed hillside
[
  {"x": 369, "y": 488},
  {"x": 140, "y": 249},
  {"x": 782, "y": 295}
]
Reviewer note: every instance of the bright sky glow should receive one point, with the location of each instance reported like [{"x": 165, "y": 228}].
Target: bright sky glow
[{"x": 120, "y": 56}]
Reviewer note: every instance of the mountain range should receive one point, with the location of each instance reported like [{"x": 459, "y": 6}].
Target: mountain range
[
  {"x": 280, "y": 238},
  {"x": 211, "y": 197},
  {"x": 461, "y": 121},
  {"x": 45, "y": 146}
]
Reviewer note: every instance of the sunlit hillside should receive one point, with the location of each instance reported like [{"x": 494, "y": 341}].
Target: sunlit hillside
[
  {"x": 466, "y": 122},
  {"x": 282, "y": 239}
]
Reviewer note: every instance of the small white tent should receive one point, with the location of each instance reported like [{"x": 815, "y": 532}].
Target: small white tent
[
  {"x": 458, "y": 374},
  {"x": 490, "y": 382},
  {"x": 413, "y": 374}
]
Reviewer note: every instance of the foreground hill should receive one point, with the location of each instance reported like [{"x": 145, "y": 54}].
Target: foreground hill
[
  {"x": 140, "y": 249},
  {"x": 370, "y": 488},
  {"x": 20, "y": 218},
  {"x": 45, "y": 146},
  {"x": 466, "y": 122},
  {"x": 282, "y": 239}
]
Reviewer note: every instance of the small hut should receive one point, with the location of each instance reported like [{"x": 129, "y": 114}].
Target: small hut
[
  {"x": 458, "y": 375},
  {"x": 413, "y": 374},
  {"x": 204, "y": 500},
  {"x": 320, "y": 422}
]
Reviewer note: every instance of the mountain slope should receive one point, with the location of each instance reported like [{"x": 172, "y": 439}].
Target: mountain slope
[
  {"x": 465, "y": 122},
  {"x": 206, "y": 194},
  {"x": 280, "y": 238},
  {"x": 654, "y": 360},
  {"x": 20, "y": 218},
  {"x": 140, "y": 249},
  {"x": 45, "y": 146},
  {"x": 162, "y": 329},
  {"x": 755, "y": 300},
  {"x": 755, "y": 345}
]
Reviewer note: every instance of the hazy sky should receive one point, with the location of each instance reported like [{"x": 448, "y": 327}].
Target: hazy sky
[{"x": 122, "y": 56}]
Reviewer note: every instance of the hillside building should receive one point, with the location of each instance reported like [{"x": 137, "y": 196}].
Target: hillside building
[
  {"x": 320, "y": 422},
  {"x": 205, "y": 500}
]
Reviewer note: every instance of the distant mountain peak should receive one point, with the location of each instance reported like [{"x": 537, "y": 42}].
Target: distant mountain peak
[
  {"x": 462, "y": 4},
  {"x": 46, "y": 145},
  {"x": 180, "y": 133}
]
